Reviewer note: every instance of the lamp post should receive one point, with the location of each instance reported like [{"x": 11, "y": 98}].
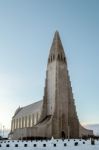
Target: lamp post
[{"x": 3, "y": 130}]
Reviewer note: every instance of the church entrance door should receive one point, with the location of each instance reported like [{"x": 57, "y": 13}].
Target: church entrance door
[{"x": 63, "y": 135}]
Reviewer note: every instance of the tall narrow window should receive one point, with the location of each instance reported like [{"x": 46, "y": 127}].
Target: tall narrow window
[
  {"x": 37, "y": 116},
  {"x": 34, "y": 119},
  {"x": 64, "y": 59},
  {"x": 14, "y": 124},
  {"x": 19, "y": 122},
  {"x": 22, "y": 122},
  {"x": 25, "y": 121},
  {"x": 61, "y": 57},
  {"x": 58, "y": 57},
  {"x": 53, "y": 57},
  {"x": 29, "y": 120}
]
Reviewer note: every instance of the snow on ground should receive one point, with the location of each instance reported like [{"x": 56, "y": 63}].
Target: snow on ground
[{"x": 49, "y": 145}]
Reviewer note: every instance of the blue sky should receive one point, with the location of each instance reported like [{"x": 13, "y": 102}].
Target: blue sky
[{"x": 26, "y": 33}]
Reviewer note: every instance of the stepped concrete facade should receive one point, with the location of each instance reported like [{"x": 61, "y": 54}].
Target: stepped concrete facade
[{"x": 55, "y": 115}]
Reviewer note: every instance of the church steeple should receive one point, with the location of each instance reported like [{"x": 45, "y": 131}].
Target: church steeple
[
  {"x": 57, "y": 116},
  {"x": 56, "y": 51}
]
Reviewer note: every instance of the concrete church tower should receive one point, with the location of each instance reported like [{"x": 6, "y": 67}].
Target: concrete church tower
[
  {"x": 58, "y": 98},
  {"x": 54, "y": 116}
]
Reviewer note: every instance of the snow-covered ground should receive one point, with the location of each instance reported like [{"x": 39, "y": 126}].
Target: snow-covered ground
[{"x": 49, "y": 145}]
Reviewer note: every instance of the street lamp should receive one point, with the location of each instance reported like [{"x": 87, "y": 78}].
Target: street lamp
[
  {"x": 0, "y": 129},
  {"x": 3, "y": 130}
]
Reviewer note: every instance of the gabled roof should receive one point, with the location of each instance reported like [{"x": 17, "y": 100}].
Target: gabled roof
[{"x": 29, "y": 109}]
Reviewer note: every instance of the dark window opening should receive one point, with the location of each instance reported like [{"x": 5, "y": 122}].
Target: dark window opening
[{"x": 58, "y": 57}]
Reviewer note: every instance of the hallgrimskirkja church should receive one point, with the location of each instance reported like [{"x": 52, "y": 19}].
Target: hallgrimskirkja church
[{"x": 55, "y": 115}]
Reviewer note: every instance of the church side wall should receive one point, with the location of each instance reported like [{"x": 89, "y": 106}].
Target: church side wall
[
  {"x": 42, "y": 130},
  {"x": 20, "y": 123}
]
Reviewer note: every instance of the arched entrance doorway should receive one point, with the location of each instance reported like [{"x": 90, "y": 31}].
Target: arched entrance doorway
[{"x": 63, "y": 135}]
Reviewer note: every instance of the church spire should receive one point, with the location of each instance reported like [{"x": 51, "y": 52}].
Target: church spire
[{"x": 56, "y": 51}]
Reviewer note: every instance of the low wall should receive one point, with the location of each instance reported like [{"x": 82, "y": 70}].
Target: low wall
[{"x": 84, "y": 132}]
